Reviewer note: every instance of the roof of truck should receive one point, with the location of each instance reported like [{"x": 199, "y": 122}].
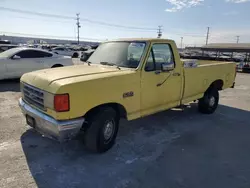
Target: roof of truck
[{"x": 142, "y": 39}]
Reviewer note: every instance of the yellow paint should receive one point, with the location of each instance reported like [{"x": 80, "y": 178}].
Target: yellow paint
[{"x": 94, "y": 85}]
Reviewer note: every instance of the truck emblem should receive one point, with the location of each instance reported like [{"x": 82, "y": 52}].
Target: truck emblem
[{"x": 128, "y": 94}]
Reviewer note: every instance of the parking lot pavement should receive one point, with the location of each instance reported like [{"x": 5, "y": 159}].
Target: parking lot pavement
[{"x": 172, "y": 149}]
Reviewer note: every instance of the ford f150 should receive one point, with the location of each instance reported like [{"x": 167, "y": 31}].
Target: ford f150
[{"x": 128, "y": 79}]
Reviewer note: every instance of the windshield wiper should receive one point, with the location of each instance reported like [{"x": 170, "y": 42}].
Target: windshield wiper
[{"x": 110, "y": 64}]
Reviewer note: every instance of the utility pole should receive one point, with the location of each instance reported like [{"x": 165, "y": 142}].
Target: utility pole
[
  {"x": 237, "y": 40},
  {"x": 78, "y": 27},
  {"x": 181, "y": 41},
  {"x": 208, "y": 28},
  {"x": 159, "y": 32}
]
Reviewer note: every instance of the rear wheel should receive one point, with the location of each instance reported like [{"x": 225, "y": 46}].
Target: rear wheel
[
  {"x": 75, "y": 55},
  {"x": 209, "y": 103},
  {"x": 102, "y": 130}
]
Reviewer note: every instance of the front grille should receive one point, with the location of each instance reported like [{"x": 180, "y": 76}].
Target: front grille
[{"x": 33, "y": 96}]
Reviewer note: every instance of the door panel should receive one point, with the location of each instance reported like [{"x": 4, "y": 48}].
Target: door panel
[
  {"x": 3, "y": 70},
  {"x": 160, "y": 90}
]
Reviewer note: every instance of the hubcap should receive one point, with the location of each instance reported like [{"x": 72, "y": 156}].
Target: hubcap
[
  {"x": 211, "y": 101},
  {"x": 108, "y": 130}
]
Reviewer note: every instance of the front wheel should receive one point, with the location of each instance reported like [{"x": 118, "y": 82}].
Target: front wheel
[
  {"x": 209, "y": 103},
  {"x": 102, "y": 130}
]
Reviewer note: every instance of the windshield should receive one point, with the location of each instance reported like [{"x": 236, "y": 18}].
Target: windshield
[
  {"x": 9, "y": 52},
  {"x": 122, "y": 54}
]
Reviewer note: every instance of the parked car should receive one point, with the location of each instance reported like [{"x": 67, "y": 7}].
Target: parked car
[
  {"x": 246, "y": 68},
  {"x": 17, "y": 61},
  {"x": 4, "y": 47},
  {"x": 86, "y": 54},
  {"x": 123, "y": 79},
  {"x": 65, "y": 51}
]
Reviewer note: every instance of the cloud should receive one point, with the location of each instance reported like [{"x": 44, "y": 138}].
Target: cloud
[
  {"x": 178, "y": 5},
  {"x": 237, "y": 1}
]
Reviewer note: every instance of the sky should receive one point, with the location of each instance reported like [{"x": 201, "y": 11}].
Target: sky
[{"x": 109, "y": 19}]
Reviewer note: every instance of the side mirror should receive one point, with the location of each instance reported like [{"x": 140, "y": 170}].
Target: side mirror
[
  {"x": 166, "y": 67},
  {"x": 16, "y": 57}
]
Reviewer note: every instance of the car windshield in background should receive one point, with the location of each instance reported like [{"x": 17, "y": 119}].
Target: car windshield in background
[{"x": 122, "y": 54}]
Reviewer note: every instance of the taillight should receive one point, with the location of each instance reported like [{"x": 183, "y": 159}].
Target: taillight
[{"x": 61, "y": 102}]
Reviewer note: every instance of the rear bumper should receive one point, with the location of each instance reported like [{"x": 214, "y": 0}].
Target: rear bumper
[{"x": 48, "y": 126}]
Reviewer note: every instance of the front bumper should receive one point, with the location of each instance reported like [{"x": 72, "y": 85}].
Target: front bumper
[{"x": 48, "y": 126}]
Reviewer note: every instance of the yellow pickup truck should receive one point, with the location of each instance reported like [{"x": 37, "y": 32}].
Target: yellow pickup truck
[{"x": 128, "y": 79}]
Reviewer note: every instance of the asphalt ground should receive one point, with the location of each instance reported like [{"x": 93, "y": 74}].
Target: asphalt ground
[{"x": 171, "y": 149}]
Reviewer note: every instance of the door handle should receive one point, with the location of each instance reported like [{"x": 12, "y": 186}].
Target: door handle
[{"x": 176, "y": 74}]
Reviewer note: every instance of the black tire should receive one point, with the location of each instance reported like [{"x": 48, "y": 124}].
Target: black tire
[
  {"x": 209, "y": 103},
  {"x": 56, "y": 66},
  {"x": 93, "y": 137},
  {"x": 75, "y": 55}
]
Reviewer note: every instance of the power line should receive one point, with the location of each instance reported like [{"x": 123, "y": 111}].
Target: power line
[
  {"x": 72, "y": 18},
  {"x": 35, "y": 13}
]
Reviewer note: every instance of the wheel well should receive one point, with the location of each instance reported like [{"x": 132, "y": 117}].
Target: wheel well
[
  {"x": 218, "y": 84},
  {"x": 57, "y": 65},
  {"x": 122, "y": 113},
  {"x": 75, "y": 54}
]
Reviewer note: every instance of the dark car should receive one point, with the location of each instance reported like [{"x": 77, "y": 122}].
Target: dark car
[{"x": 4, "y": 47}]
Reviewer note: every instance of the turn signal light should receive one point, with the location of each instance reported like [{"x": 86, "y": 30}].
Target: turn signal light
[{"x": 61, "y": 102}]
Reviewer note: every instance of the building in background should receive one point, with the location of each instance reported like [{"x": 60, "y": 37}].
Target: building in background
[{"x": 33, "y": 40}]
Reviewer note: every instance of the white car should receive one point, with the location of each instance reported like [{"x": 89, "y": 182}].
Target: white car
[
  {"x": 65, "y": 51},
  {"x": 17, "y": 61}
]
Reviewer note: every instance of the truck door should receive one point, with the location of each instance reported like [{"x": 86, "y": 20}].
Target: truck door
[{"x": 160, "y": 89}]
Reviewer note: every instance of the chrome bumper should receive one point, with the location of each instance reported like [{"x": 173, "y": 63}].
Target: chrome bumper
[{"x": 48, "y": 126}]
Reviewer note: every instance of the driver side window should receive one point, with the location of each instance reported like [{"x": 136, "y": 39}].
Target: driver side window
[{"x": 159, "y": 54}]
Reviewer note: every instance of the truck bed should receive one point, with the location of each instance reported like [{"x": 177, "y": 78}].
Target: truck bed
[{"x": 199, "y": 77}]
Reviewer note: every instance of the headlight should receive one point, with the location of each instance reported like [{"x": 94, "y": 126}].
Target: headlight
[{"x": 48, "y": 99}]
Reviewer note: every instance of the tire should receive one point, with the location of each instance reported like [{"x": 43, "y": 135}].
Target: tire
[
  {"x": 75, "y": 55},
  {"x": 209, "y": 103},
  {"x": 56, "y": 66},
  {"x": 94, "y": 137}
]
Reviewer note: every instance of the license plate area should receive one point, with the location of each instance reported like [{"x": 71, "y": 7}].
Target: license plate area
[{"x": 30, "y": 121}]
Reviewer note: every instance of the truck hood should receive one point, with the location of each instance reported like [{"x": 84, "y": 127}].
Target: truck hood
[{"x": 43, "y": 78}]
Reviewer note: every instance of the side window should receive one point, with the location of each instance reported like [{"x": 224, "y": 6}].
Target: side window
[
  {"x": 162, "y": 53},
  {"x": 40, "y": 54},
  {"x": 33, "y": 54},
  {"x": 59, "y": 49},
  {"x": 24, "y": 54}
]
